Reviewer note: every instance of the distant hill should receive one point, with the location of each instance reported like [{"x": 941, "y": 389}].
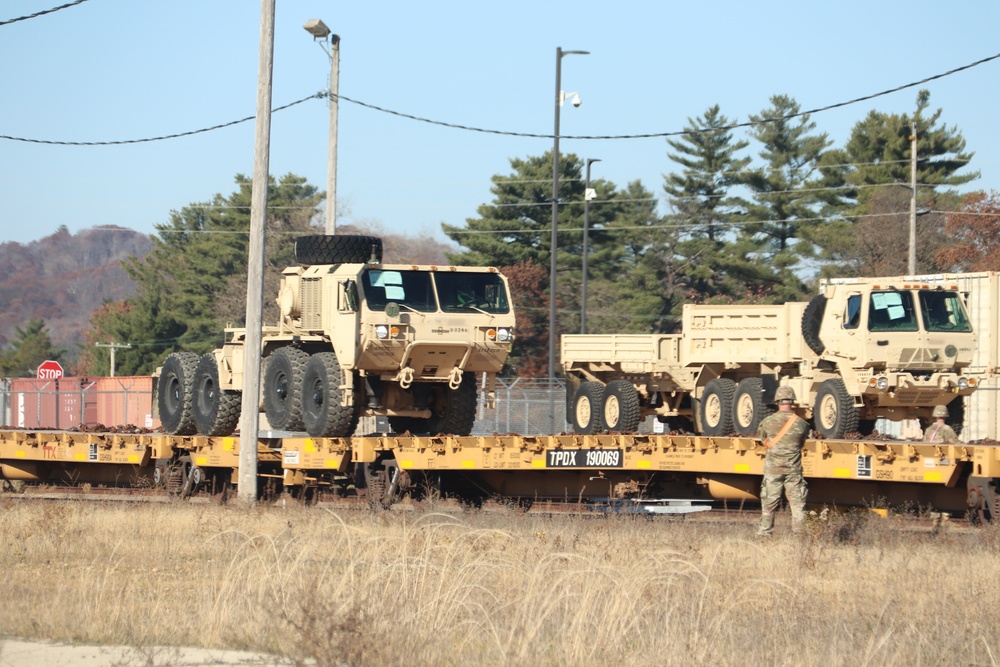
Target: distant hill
[{"x": 63, "y": 278}]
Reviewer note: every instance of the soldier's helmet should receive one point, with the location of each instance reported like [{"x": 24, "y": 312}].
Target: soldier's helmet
[
  {"x": 940, "y": 411},
  {"x": 784, "y": 394}
]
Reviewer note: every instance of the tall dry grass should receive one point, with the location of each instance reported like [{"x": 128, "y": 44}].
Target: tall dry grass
[{"x": 503, "y": 588}]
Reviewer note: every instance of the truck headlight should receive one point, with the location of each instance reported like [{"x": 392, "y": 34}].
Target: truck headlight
[
  {"x": 504, "y": 335},
  {"x": 381, "y": 331},
  {"x": 880, "y": 382},
  {"x": 964, "y": 383}
]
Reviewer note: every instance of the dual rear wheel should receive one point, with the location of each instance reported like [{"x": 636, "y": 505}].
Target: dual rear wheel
[{"x": 611, "y": 407}]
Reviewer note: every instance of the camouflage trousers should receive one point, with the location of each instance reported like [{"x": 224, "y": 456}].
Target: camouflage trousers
[{"x": 770, "y": 498}]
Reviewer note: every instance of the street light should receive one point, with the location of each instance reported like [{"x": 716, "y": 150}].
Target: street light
[
  {"x": 560, "y": 98},
  {"x": 588, "y": 194},
  {"x": 320, "y": 32}
]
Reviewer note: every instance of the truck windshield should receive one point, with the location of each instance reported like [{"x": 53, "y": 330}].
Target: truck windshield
[
  {"x": 891, "y": 311},
  {"x": 943, "y": 311},
  {"x": 409, "y": 288},
  {"x": 463, "y": 292}
]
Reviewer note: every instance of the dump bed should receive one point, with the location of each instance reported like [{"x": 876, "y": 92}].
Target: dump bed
[{"x": 721, "y": 333}]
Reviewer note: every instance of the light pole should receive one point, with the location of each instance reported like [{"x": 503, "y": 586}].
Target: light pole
[
  {"x": 320, "y": 32},
  {"x": 588, "y": 194},
  {"x": 560, "y": 98}
]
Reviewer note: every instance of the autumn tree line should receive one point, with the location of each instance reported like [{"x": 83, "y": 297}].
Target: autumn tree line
[{"x": 757, "y": 212}]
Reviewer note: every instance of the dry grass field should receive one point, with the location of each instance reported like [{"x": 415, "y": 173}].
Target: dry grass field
[{"x": 497, "y": 588}]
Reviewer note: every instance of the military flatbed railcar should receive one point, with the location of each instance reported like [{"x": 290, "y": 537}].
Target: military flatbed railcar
[{"x": 953, "y": 479}]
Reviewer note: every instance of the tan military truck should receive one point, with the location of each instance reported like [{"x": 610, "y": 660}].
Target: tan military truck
[
  {"x": 860, "y": 350},
  {"x": 356, "y": 338}
]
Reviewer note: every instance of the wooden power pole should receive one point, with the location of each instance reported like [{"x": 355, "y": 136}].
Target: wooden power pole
[{"x": 250, "y": 418}]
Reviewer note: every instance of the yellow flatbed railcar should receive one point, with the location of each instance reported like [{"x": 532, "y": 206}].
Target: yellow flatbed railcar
[{"x": 946, "y": 478}]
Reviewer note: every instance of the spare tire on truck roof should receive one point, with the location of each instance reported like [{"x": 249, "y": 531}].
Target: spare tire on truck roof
[{"x": 337, "y": 249}]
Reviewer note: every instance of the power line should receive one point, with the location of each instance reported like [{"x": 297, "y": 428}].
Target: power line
[
  {"x": 42, "y": 13},
  {"x": 329, "y": 94},
  {"x": 161, "y": 138},
  {"x": 675, "y": 133}
]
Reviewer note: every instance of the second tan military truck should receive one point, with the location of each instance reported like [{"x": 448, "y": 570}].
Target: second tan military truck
[
  {"x": 860, "y": 350},
  {"x": 356, "y": 337}
]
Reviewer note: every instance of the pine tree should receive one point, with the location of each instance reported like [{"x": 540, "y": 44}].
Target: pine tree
[
  {"x": 31, "y": 346},
  {"x": 712, "y": 261}
]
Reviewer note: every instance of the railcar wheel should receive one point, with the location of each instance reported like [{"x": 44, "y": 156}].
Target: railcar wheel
[
  {"x": 283, "y": 388},
  {"x": 216, "y": 412},
  {"x": 715, "y": 408},
  {"x": 322, "y": 412},
  {"x": 749, "y": 408},
  {"x": 620, "y": 407},
  {"x": 586, "y": 415},
  {"x": 343, "y": 248},
  {"x": 834, "y": 413},
  {"x": 175, "y": 393}
]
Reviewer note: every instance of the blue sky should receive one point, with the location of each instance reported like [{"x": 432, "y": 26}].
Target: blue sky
[{"x": 109, "y": 70}]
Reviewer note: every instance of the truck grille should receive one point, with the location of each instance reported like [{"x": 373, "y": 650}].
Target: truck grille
[{"x": 312, "y": 303}]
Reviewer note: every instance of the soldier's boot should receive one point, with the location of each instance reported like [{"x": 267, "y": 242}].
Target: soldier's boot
[{"x": 766, "y": 524}]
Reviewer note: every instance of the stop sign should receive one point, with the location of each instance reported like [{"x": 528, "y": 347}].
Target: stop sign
[{"x": 50, "y": 370}]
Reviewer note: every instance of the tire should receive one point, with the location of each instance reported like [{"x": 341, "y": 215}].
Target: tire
[
  {"x": 216, "y": 412},
  {"x": 620, "y": 407},
  {"x": 283, "y": 388},
  {"x": 454, "y": 410},
  {"x": 812, "y": 320},
  {"x": 350, "y": 249},
  {"x": 322, "y": 414},
  {"x": 586, "y": 413},
  {"x": 715, "y": 409},
  {"x": 749, "y": 407},
  {"x": 834, "y": 414},
  {"x": 175, "y": 393},
  {"x": 956, "y": 414}
]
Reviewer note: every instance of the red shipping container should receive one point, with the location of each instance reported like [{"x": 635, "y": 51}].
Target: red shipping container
[
  {"x": 123, "y": 401},
  {"x": 51, "y": 404}
]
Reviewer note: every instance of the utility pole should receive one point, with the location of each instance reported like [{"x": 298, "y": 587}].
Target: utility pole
[
  {"x": 113, "y": 347},
  {"x": 913, "y": 200},
  {"x": 250, "y": 418}
]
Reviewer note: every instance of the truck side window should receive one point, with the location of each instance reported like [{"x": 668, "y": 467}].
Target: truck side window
[
  {"x": 852, "y": 317},
  {"x": 347, "y": 297}
]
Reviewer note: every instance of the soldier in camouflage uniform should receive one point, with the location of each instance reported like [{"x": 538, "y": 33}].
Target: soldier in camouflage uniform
[
  {"x": 939, "y": 431},
  {"x": 783, "y": 433}
]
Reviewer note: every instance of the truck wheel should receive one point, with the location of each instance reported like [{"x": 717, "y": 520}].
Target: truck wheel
[
  {"x": 283, "y": 388},
  {"x": 749, "y": 408},
  {"x": 175, "y": 393},
  {"x": 586, "y": 416},
  {"x": 715, "y": 408},
  {"x": 834, "y": 414},
  {"x": 812, "y": 319},
  {"x": 620, "y": 407},
  {"x": 350, "y": 249},
  {"x": 322, "y": 413},
  {"x": 454, "y": 410},
  {"x": 216, "y": 412}
]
